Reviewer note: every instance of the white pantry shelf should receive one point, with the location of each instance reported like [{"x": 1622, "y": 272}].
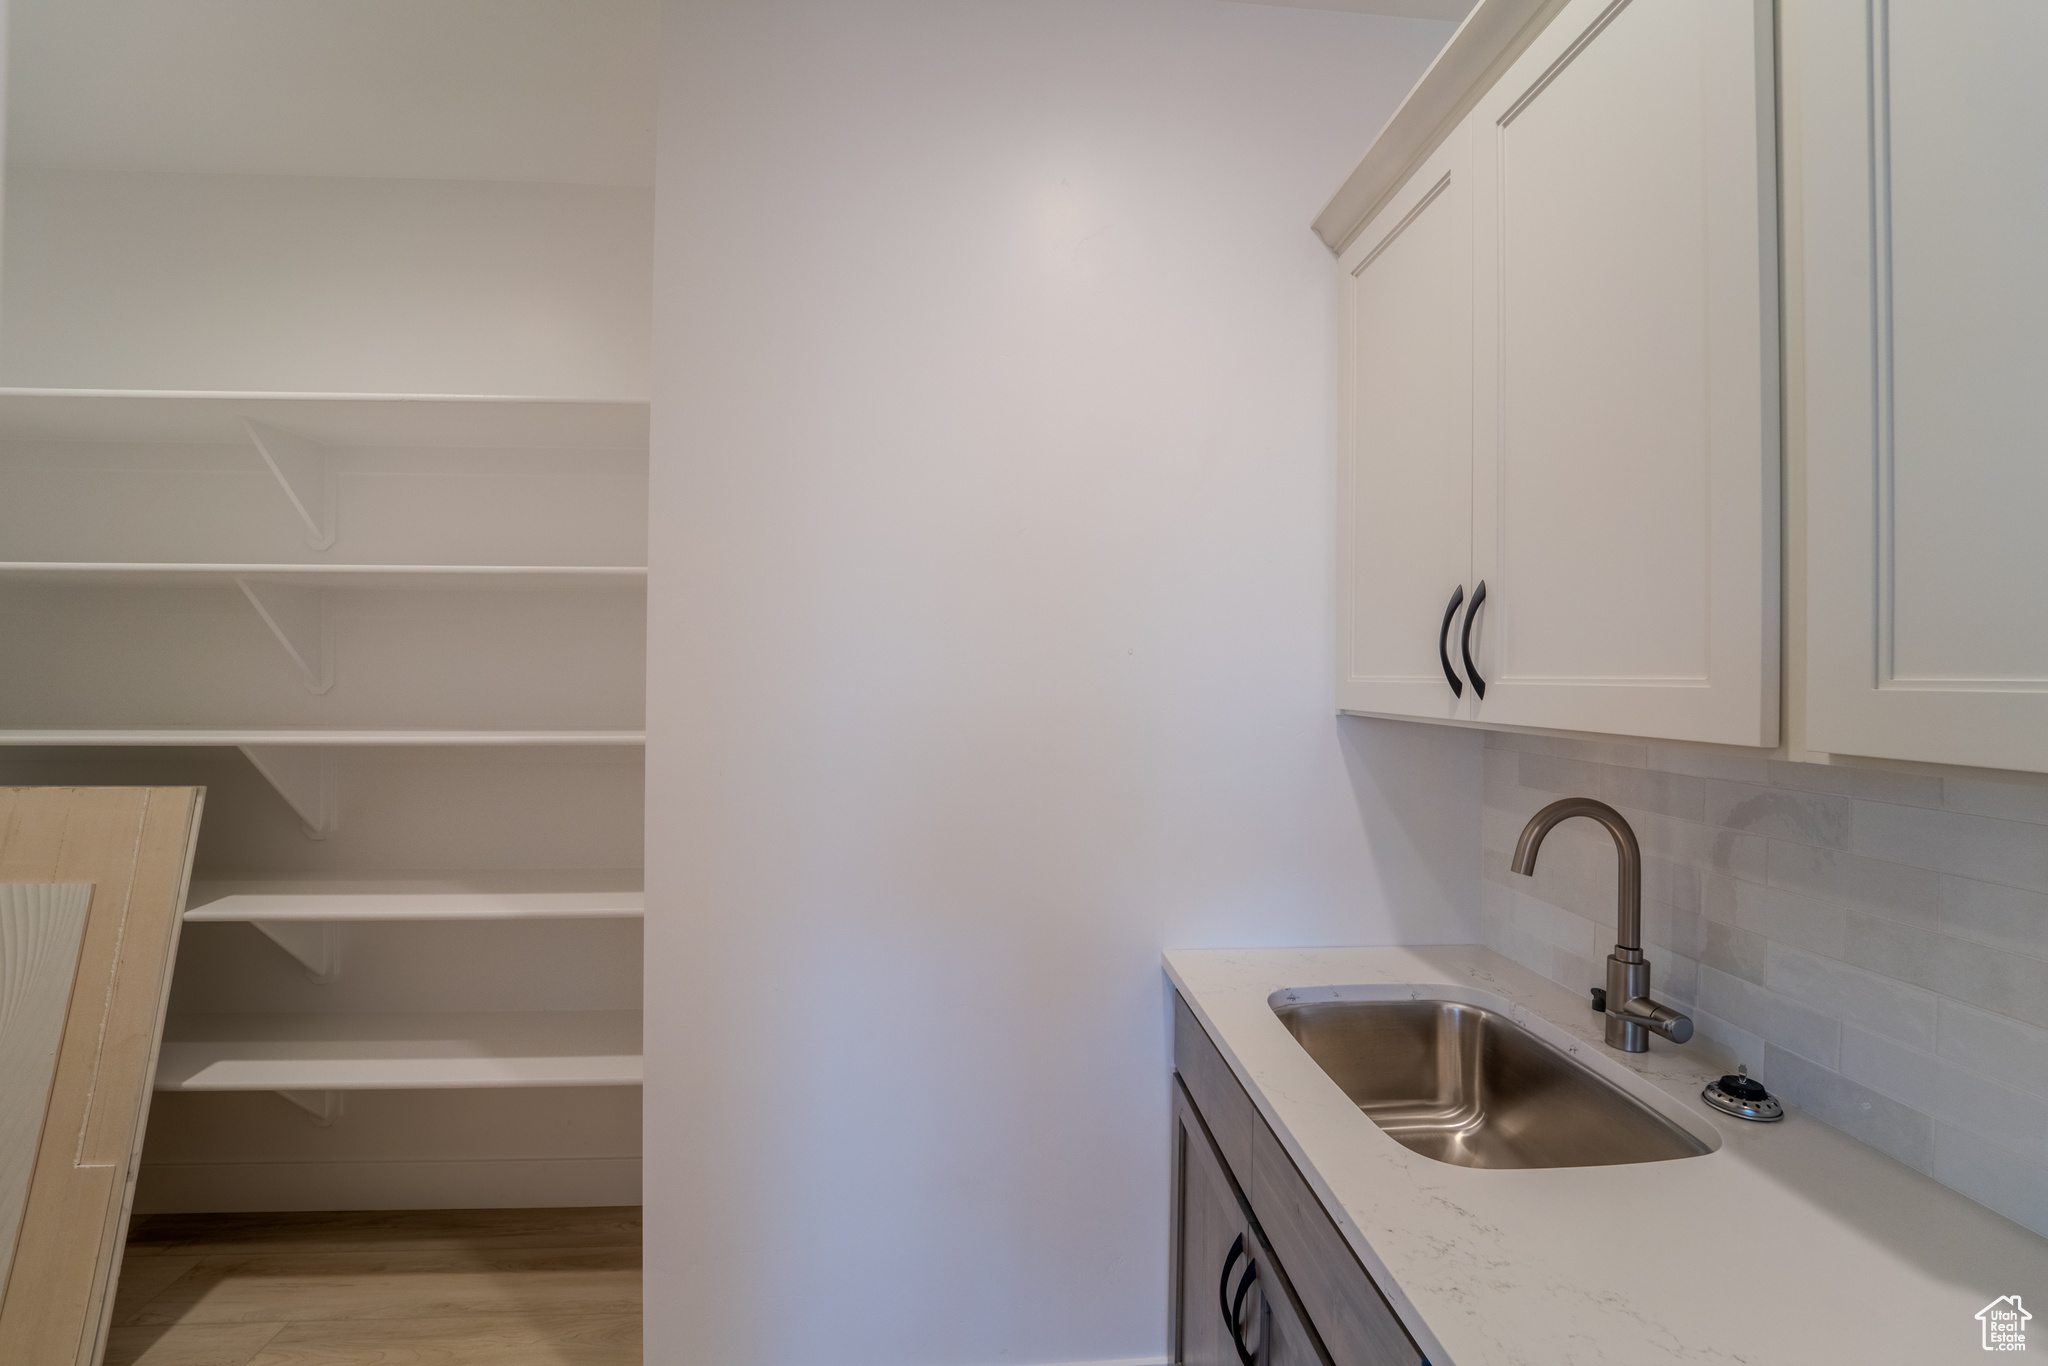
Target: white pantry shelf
[
  {"x": 340, "y": 739},
  {"x": 538, "y": 895},
  {"x": 411, "y": 1052},
  {"x": 175, "y": 417},
  {"x": 346, "y": 576}
]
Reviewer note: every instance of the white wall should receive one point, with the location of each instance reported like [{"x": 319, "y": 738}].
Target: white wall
[
  {"x": 990, "y": 647},
  {"x": 550, "y": 91},
  {"x": 304, "y": 284}
]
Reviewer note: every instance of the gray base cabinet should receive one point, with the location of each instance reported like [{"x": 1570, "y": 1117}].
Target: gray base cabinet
[
  {"x": 1213, "y": 1264},
  {"x": 1261, "y": 1276},
  {"x": 1232, "y": 1303}
]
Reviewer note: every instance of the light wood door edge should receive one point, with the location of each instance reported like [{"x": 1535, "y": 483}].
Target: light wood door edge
[
  {"x": 96, "y": 1342},
  {"x": 135, "y": 846}
]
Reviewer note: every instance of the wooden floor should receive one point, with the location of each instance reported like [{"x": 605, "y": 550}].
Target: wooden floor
[{"x": 528, "y": 1287}]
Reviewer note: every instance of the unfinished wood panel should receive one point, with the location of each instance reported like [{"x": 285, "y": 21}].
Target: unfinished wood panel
[
  {"x": 135, "y": 846},
  {"x": 42, "y": 926}
]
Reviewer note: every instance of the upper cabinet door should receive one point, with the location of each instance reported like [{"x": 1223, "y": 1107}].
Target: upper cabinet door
[
  {"x": 1405, "y": 495},
  {"x": 1625, "y": 500},
  {"x": 1925, "y": 293}
]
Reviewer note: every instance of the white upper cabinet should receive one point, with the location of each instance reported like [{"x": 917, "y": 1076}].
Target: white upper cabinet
[
  {"x": 1925, "y": 302},
  {"x": 1626, "y": 472},
  {"x": 1406, "y": 494},
  {"x": 1597, "y": 374}
]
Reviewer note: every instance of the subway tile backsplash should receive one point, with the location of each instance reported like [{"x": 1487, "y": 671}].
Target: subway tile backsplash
[{"x": 1873, "y": 944}]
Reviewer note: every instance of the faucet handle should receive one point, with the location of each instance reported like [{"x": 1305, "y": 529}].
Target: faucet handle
[{"x": 1664, "y": 1020}]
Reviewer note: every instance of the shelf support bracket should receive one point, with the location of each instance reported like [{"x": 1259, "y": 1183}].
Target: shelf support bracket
[
  {"x": 297, "y": 617},
  {"x": 304, "y": 777},
  {"x": 301, "y": 470},
  {"x": 323, "y": 1106},
  {"x": 316, "y": 945}
]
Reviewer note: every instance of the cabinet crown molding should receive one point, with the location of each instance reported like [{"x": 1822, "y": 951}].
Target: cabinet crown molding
[{"x": 1492, "y": 36}]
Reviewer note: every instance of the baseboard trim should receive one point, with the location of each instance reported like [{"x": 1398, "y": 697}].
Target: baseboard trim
[{"x": 515, "y": 1183}]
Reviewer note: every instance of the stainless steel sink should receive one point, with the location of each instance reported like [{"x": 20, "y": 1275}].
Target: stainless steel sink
[{"x": 1466, "y": 1086}]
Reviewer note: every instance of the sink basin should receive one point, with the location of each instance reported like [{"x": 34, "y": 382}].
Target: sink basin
[{"x": 1465, "y": 1085}]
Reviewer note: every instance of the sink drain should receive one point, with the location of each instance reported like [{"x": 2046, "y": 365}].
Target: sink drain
[{"x": 1744, "y": 1097}]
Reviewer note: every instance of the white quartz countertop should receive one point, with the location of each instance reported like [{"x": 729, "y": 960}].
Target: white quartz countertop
[{"x": 1789, "y": 1243}]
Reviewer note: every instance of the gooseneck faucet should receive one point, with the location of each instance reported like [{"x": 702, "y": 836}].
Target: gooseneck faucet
[{"x": 1631, "y": 1014}]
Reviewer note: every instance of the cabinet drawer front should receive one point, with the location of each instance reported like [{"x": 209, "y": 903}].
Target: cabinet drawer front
[
  {"x": 1225, "y": 1108},
  {"x": 1351, "y": 1316}
]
